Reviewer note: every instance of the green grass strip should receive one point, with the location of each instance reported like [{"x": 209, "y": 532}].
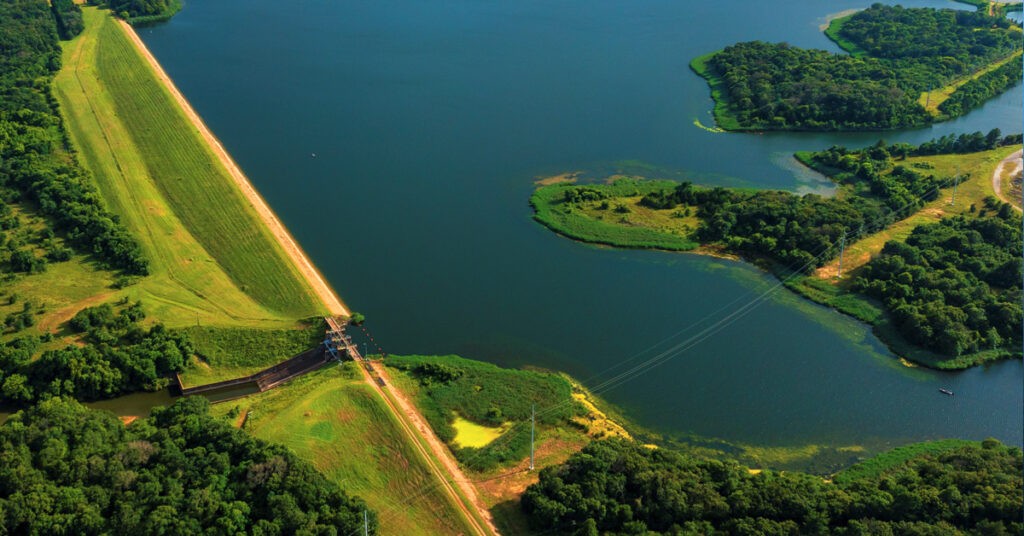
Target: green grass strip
[
  {"x": 834, "y": 32},
  {"x": 196, "y": 185},
  {"x": 724, "y": 117}
]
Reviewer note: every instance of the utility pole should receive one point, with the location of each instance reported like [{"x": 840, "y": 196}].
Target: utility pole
[
  {"x": 366, "y": 524},
  {"x": 956, "y": 182},
  {"x": 533, "y": 423},
  {"x": 842, "y": 249}
]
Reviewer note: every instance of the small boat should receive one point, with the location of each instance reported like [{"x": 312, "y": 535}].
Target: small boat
[{"x": 946, "y": 392}]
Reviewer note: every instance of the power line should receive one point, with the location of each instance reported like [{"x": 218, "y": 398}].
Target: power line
[{"x": 678, "y": 349}]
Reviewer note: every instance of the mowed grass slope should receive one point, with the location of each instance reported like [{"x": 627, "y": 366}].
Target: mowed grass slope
[
  {"x": 333, "y": 419},
  {"x": 158, "y": 173},
  {"x": 186, "y": 284}
]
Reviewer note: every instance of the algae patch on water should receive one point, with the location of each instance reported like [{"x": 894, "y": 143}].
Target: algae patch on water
[{"x": 471, "y": 434}]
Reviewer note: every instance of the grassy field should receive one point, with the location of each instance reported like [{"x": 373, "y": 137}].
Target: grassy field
[
  {"x": 155, "y": 172},
  {"x": 931, "y": 100},
  {"x": 333, "y": 419},
  {"x": 638, "y": 228}
]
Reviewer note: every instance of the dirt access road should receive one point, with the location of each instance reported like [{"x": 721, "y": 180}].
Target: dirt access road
[
  {"x": 413, "y": 424},
  {"x": 1016, "y": 159},
  {"x": 281, "y": 234}
]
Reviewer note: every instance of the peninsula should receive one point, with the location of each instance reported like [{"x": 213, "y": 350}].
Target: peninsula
[
  {"x": 887, "y": 200},
  {"x": 134, "y": 250},
  {"x": 904, "y": 67}
]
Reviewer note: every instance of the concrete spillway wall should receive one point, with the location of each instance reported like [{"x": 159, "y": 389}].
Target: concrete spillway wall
[{"x": 263, "y": 380}]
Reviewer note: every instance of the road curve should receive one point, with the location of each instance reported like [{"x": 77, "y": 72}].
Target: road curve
[{"x": 997, "y": 175}]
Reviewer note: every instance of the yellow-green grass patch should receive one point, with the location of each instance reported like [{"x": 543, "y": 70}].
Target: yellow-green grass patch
[
  {"x": 471, "y": 434},
  {"x": 931, "y": 100},
  {"x": 977, "y": 167},
  {"x": 61, "y": 291},
  {"x": 725, "y": 119},
  {"x": 333, "y": 419},
  {"x": 213, "y": 260}
]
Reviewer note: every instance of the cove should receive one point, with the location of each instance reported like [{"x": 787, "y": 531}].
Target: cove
[{"x": 430, "y": 122}]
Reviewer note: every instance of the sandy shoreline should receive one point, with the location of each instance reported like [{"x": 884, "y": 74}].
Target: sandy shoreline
[{"x": 292, "y": 249}]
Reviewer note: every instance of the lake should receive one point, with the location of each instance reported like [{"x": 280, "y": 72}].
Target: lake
[{"x": 430, "y": 122}]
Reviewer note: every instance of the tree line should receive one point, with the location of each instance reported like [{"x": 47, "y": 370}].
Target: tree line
[
  {"x": 902, "y": 53},
  {"x": 69, "y": 470},
  {"x": 69, "y": 18},
  {"x": 954, "y": 286},
  {"x": 37, "y": 168},
  {"x": 121, "y": 357},
  {"x": 982, "y": 88},
  {"x": 798, "y": 231},
  {"x": 620, "y": 487}
]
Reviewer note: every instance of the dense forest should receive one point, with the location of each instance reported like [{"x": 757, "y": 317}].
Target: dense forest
[
  {"x": 954, "y": 287},
  {"x": 36, "y": 170},
  {"x": 68, "y": 470},
  {"x": 901, "y": 53},
  {"x": 621, "y": 487},
  {"x": 776, "y": 86},
  {"x": 798, "y": 231},
  {"x": 953, "y": 42},
  {"x": 120, "y": 357}
]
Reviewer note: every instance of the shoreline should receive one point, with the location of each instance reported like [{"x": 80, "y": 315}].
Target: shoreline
[
  {"x": 459, "y": 488},
  {"x": 881, "y": 328},
  {"x": 320, "y": 287}
]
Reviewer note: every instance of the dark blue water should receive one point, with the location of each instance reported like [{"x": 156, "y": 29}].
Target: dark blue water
[{"x": 431, "y": 120}]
